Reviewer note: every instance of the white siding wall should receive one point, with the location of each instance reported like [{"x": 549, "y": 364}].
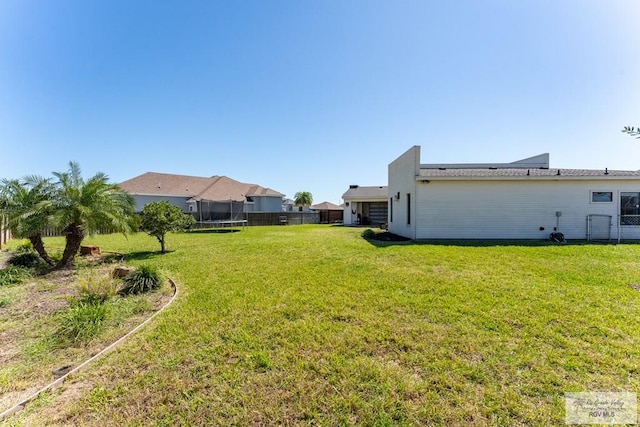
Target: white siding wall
[
  {"x": 513, "y": 209},
  {"x": 402, "y": 180}
]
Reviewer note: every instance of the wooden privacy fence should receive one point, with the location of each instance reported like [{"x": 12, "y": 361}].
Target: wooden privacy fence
[
  {"x": 276, "y": 218},
  {"x": 5, "y": 233},
  {"x": 57, "y": 232},
  {"x": 331, "y": 217}
]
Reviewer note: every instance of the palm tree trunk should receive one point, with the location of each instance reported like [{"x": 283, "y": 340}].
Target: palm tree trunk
[
  {"x": 38, "y": 245},
  {"x": 73, "y": 236}
]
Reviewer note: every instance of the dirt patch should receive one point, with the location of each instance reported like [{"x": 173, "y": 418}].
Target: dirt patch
[
  {"x": 29, "y": 317},
  {"x": 4, "y": 257},
  {"x": 635, "y": 286},
  {"x": 65, "y": 396}
]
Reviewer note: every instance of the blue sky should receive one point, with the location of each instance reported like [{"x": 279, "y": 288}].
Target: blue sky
[{"x": 314, "y": 96}]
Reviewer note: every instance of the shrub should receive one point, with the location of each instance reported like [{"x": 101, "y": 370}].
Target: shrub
[
  {"x": 368, "y": 234},
  {"x": 144, "y": 279},
  {"x": 25, "y": 259},
  {"x": 13, "y": 276},
  {"x": 24, "y": 246},
  {"x": 81, "y": 321},
  {"x": 96, "y": 289}
]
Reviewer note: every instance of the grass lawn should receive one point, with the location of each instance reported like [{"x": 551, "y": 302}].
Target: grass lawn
[{"x": 306, "y": 325}]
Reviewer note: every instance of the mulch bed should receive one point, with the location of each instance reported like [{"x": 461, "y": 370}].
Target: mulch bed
[{"x": 389, "y": 237}]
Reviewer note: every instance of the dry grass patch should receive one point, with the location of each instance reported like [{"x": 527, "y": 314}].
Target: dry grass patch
[{"x": 34, "y": 318}]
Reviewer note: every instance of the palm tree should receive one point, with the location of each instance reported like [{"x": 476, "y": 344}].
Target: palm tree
[
  {"x": 303, "y": 198},
  {"x": 82, "y": 208},
  {"x": 21, "y": 201}
]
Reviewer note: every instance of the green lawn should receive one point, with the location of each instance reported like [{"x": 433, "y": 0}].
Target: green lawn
[{"x": 314, "y": 325}]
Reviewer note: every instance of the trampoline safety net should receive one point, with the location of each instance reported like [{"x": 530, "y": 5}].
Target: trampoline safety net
[{"x": 220, "y": 211}]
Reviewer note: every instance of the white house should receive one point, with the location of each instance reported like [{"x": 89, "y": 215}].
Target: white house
[
  {"x": 365, "y": 205},
  {"x": 525, "y": 199}
]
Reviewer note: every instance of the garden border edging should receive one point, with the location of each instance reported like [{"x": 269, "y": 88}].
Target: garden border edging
[{"x": 59, "y": 381}]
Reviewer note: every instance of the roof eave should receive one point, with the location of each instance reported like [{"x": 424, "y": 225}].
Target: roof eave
[
  {"x": 186, "y": 196},
  {"x": 527, "y": 178},
  {"x": 366, "y": 199}
]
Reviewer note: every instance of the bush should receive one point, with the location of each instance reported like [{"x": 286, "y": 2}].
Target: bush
[
  {"x": 26, "y": 260},
  {"x": 144, "y": 279},
  {"x": 24, "y": 246},
  {"x": 81, "y": 321},
  {"x": 96, "y": 289},
  {"x": 13, "y": 276},
  {"x": 368, "y": 234}
]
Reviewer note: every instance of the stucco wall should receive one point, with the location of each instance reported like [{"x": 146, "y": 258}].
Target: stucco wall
[{"x": 402, "y": 181}]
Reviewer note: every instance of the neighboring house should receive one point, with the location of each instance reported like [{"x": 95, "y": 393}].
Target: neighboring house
[
  {"x": 521, "y": 200},
  {"x": 217, "y": 197},
  {"x": 301, "y": 208},
  {"x": 329, "y": 213},
  {"x": 288, "y": 205},
  {"x": 365, "y": 205}
]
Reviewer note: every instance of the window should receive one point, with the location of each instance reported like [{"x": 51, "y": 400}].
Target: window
[
  {"x": 408, "y": 208},
  {"x": 601, "y": 196},
  {"x": 391, "y": 209},
  {"x": 630, "y": 208},
  {"x": 249, "y": 199}
]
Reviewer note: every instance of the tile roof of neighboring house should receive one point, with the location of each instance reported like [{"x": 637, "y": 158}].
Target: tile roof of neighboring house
[
  {"x": 215, "y": 188},
  {"x": 358, "y": 192},
  {"x": 488, "y": 173},
  {"x": 327, "y": 206}
]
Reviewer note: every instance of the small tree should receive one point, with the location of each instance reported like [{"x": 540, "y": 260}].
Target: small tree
[{"x": 158, "y": 218}]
